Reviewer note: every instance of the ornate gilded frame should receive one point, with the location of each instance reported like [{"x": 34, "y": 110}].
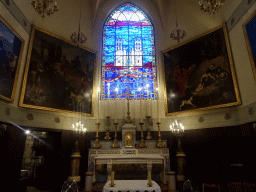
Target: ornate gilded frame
[
  {"x": 248, "y": 43},
  {"x": 17, "y": 67},
  {"x": 76, "y": 52},
  {"x": 193, "y": 70}
]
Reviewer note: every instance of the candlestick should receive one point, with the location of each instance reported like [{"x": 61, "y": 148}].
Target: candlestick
[
  {"x": 97, "y": 143},
  {"x": 149, "y": 179},
  {"x": 149, "y": 133},
  {"x": 107, "y": 137},
  {"x": 142, "y": 142},
  {"x": 159, "y": 142},
  {"x": 112, "y": 178},
  {"x": 115, "y": 144}
]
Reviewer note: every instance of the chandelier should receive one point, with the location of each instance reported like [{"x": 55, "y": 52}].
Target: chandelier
[
  {"x": 211, "y": 5},
  {"x": 43, "y": 7},
  {"x": 176, "y": 128},
  {"x": 178, "y": 33},
  {"x": 78, "y": 38},
  {"x": 79, "y": 128}
]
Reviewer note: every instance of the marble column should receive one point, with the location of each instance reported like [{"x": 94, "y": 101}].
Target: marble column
[
  {"x": 171, "y": 181},
  {"x": 109, "y": 169},
  {"x": 181, "y": 161},
  {"x": 75, "y": 165},
  {"x": 88, "y": 181}
]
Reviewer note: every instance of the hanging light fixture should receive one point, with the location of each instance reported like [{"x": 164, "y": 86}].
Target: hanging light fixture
[
  {"x": 78, "y": 38},
  {"x": 178, "y": 33},
  {"x": 43, "y": 7},
  {"x": 211, "y": 5}
]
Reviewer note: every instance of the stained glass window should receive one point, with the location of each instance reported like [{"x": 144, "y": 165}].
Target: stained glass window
[{"x": 128, "y": 60}]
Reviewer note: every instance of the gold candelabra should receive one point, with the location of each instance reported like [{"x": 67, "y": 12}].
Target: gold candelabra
[
  {"x": 115, "y": 144},
  {"x": 78, "y": 37},
  {"x": 142, "y": 142},
  {"x": 43, "y": 7},
  {"x": 128, "y": 118},
  {"x": 159, "y": 143},
  {"x": 107, "y": 137},
  {"x": 97, "y": 143},
  {"x": 211, "y": 5},
  {"x": 149, "y": 133}
]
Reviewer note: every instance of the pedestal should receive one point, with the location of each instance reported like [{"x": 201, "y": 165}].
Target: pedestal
[
  {"x": 75, "y": 165},
  {"x": 88, "y": 181},
  {"x": 181, "y": 161},
  {"x": 171, "y": 181}
]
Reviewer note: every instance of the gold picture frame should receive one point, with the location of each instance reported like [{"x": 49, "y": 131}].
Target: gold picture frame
[
  {"x": 199, "y": 74},
  {"x": 249, "y": 34},
  {"x": 58, "y": 75},
  {"x": 11, "y": 49}
]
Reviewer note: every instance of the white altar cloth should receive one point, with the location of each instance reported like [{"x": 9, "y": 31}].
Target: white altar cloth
[{"x": 132, "y": 186}]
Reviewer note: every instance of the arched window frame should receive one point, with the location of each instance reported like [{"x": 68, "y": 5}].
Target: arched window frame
[{"x": 108, "y": 92}]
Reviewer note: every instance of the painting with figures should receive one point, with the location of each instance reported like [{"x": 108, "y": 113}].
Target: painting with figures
[
  {"x": 249, "y": 31},
  {"x": 58, "y": 75},
  {"x": 200, "y": 75},
  {"x": 11, "y": 45}
]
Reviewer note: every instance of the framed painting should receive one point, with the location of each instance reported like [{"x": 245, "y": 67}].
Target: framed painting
[
  {"x": 199, "y": 74},
  {"x": 11, "y": 47},
  {"x": 249, "y": 28},
  {"x": 58, "y": 75}
]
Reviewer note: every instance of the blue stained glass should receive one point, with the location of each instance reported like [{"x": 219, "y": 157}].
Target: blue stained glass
[
  {"x": 109, "y": 50},
  {"x": 128, "y": 54}
]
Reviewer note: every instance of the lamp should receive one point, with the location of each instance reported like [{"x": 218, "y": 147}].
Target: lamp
[
  {"x": 178, "y": 33},
  {"x": 78, "y": 38},
  {"x": 43, "y": 7},
  {"x": 75, "y": 156},
  {"x": 211, "y": 5},
  {"x": 177, "y": 129}
]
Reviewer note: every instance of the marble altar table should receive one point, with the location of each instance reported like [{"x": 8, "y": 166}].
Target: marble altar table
[{"x": 132, "y": 186}]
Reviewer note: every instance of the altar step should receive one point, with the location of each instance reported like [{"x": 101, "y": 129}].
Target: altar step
[{"x": 98, "y": 187}]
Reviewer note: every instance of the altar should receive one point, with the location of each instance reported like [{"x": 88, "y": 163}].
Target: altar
[
  {"x": 132, "y": 186},
  {"x": 129, "y": 156}
]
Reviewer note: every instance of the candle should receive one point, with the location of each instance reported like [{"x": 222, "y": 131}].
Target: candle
[
  {"x": 148, "y": 108},
  {"x": 98, "y": 105},
  {"x": 158, "y": 105},
  {"x": 112, "y": 178},
  {"x": 140, "y": 106},
  {"x": 108, "y": 101},
  {"x": 116, "y": 105}
]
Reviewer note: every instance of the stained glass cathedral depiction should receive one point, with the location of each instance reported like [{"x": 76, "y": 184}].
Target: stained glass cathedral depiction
[{"x": 134, "y": 58}]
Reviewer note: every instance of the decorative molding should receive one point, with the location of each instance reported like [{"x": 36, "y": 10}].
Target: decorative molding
[
  {"x": 201, "y": 119},
  {"x": 228, "y": 116},
  {"x": 30, "y": 116},
  {"x": 57, "y": 120},
  {"x": 251, "y": 111},
  {"x": 240, "y": 11},
  {"x": 17, "y": 14},
  {"x": 7, "y": 111}
]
